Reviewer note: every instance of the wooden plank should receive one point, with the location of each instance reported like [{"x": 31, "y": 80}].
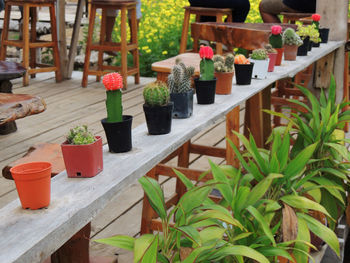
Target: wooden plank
[{"x": 323, "y": 71}]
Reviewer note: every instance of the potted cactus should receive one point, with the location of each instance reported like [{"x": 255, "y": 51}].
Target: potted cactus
[
  {"x": 243, "y": 69},
  {"x": 276, "y": 42},
  {"x": 291, "y": 43},
  {"x": 302, "y": 31},
  {"x": 223, "y": 67},
  {"x": 158, "y": 108},
  {"x": 206, "y": 83},
  {"x": 82, "y": 153},
  {"x": 117, "y": 126},
  {"x": 181, "y": 93},
  {"x": 261, "y": 61},
  {"x": 272, "y": 53}
]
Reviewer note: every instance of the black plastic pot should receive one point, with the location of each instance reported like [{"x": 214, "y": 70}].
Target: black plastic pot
[
  {"x": 324, "y": 32},
  {"x": 310, "y": 45},
  {"x": 118, "y": 134},
  {"x": 183, "y": 104},
  {"x": 243, "y": 73},
  {"x": 304, "y": 48},
  {"x": 315, "y": 44},
  {"x": 205, "y": 90},
  {"x": 158, "y": 118}
]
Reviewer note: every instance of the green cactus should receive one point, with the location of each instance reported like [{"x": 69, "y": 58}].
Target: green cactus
[
  {"x": 269, "y": 49},
  {"x": 80, "y": 135},
  {"x": 206, "y": 69},
  {"x": 291, "y": 38},
  {"x": 276, "y": 41},
  {"x": 114, "y": 106},
  {"x": 179, "y": 81},
  {"x": 223, "y": 64},
  {"x": 259, "y": 54},
  {"x": 229, "y": 61},
  {"x": 156, "y": 94}
]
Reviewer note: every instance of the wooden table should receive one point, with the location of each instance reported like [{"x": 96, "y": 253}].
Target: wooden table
[{"x": 31, "y": 236}]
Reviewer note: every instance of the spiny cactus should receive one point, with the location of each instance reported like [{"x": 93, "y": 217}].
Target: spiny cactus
[
  {"x": 276, "y": 41},
  {"x": 207, "y": 64},
  {"x": 179, "y": 81},
  {"x": 156, "y": 94},
  {"x": 222, "y": 64},
  {"x": 269, "y": 49},
  {"x": 80, "y": 135},
  {"x": 113, "y": 83},
  {"x": 291, "y": 38},
  {"x": 259, "y": 54}
]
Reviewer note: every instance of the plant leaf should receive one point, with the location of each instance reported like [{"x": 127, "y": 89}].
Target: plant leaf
[
  {"x": 142, "y": 244},
  {"x": 121, "y": 241}
]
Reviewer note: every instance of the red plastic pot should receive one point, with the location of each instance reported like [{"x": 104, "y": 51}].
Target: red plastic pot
[
  {"x": 33, "y": 183},
  {"x": 83, "y": 160},
  {"x": 279, "y": 56},
  {"x": 272, "y": 57}
]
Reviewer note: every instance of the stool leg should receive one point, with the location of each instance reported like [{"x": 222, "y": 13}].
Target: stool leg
[
  {"x": 33, "y": 15},
  {"x": 184, "y": 33},
  {"x": 102, "y": 42},
  {"x": 218, "y": 45},
  {"x": 25, "y": 30},
  {"x": 232, "y": 123},
  {"x": 56, "y": 55},
  {"x": 135, "y": 52},
  {"x": 4, "y": 35},
  {"x": 123, "y": 50},
  {"x": 88, "y": 45}
]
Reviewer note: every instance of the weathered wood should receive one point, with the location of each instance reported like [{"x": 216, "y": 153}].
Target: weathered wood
[
  {"x": 323, "y": 71},
  {"x": 16, "y": 106},
  {"x": 244, "y": 35}
]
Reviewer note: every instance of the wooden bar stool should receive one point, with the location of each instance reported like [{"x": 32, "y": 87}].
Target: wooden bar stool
[
  {"x": 219, "y": 13},
  {"x": 123, "y": 47},
  {"x": 30, "y": 43},
  {"x": 291, "y": 18}
]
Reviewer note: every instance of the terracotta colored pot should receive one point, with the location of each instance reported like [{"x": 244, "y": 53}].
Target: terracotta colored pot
[
  {"x": 272, "y": 57},
  {"x": 223, "y": 82},
  {"x": 279, "y": 56},
  {"x": 290, "y": 52},
  {"x": 33, "y": 183},
  {"x": 83, "y": 161}
]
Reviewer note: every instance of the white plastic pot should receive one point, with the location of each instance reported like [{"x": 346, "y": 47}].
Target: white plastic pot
[{"x": 260, "y": 68}]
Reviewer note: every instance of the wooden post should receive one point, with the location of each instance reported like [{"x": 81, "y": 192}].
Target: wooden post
[
  {"x": 335, "y": 17},
  {"x": 62, "y": 43}
]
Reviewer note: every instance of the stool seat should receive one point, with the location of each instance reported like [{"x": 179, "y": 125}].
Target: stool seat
[
  {"x": 209, "y": 10},
  {"x": 114, "y": 3},
  {"x": 31, "y": 1},
  {"x": 293, "y": 17}
]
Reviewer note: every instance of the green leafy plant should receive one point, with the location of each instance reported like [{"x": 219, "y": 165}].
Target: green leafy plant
[
  {"x": 223, "y": 64},
  {"x": 156, "y": 94},
  {"x": 291, "y": 38},
  {"x": 179, "y": 80},
  {"x": 310, "y": 31},
  {"x": 80, "y": 135},
  {"x": 259, "y": 54}
]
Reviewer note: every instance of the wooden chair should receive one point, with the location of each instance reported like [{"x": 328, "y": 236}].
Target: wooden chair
[
  {"x": 291, "y": 18},
  {"x": 219, "y": 13},
  {"x": 123, "y": 47},
  {"x": 30, "y": 43}
]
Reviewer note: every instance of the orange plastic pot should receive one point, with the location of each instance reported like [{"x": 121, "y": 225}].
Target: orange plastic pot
[
  {"x": 279, "y": 56},
  {"x": 33, "y": 183},
  {"x": 223, "y": 82}
]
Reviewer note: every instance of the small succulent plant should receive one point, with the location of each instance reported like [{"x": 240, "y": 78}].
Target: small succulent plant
[
  {"x": 275, "y": 38},
  {"x": 207, "y": 64},
  {"x": 156, "y": 94},
  {"x": 291, "y": 38},
  {"x": 179, "y": 80},
  {"x": 259, "y": 54},
  {"x": 309, "y": 31},
  {"x": 269, "y": 49},
  {"x": 80, "y": 135},
  {"x": 223, "y": 64}
]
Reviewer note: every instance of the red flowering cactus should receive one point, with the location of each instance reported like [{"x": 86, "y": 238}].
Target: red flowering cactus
[
  {"x": 114, "y": 83},
  {"x": 316, "y": 17},
  {"x": 276, "y": 30},
  {"x": 275, "y": 38},
  {"x": 206, "y": 52}
]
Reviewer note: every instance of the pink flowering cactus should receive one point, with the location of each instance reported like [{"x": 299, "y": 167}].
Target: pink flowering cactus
[
  {"x": 206, "y": 52},
  {"x": 276, "y": 30},
  {"x": 113, "y": 81},
  {"x": 316, "y": 17}
]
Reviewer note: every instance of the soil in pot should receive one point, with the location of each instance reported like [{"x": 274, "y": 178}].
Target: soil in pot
[
  {"x": 33, "y": 183},
  {"x": 205, "y": 90},
  {"x": 118, "y": 134},
  {"x": 260, "y": 68},
  {"x": 158, "y": 118},
  {"x": 83, "y": 160},
  {"x": 272, "y": 57},
  {"x": 223, "y": 82},
  {"x": 279, "y": 56},
  {"x": 183, "y": 104},
  {"x": 244, "y": 73},
  {"x": 290, "y": 52},
  {"x": 324, "y": 32},
  {"x": 304, "y": 48}
]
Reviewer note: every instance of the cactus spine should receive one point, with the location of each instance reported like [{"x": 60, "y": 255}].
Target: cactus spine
[
  {"x": 276, "y": 41},
  {"x": 222, "y": 64},
  {"x": 206, "y": 69},
  {"x": 179, "y": 81},
  {"x": 156, "y": 94},
  {"x": 114, "y": 106}
]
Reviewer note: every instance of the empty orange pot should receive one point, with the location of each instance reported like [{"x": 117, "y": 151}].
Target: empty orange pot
[
  {"x": 223, "y": 82},
  {"x": 33, "y": 183}
]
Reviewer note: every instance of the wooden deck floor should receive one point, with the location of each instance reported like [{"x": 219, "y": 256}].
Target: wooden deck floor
[{"x": 68, "y": 105}]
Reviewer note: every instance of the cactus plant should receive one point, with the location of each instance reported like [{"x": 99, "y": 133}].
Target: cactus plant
[
  {"x": 113, "y": 83},
  {"x": 241, "y": 59},
  {"x": 269, "y": 49},
  {"x": 275, "y": 38},
  {"x": 223, "y": 64},
  {"x": 156, "y": 94},
  {"x": 316, "y": 20},
  {"x": 259, "y": 54},
  {"x": 291, "y": 38},
  {"x": 207, "y": 64},
  {"x": 179, "y": 80},
  {"x": 80, "y": 135}
]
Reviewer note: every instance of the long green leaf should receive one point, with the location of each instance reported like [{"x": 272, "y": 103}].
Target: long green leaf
[
  {"x": 238, "y": 250},
  {"x": 303, "y": 203},
  {"x": 303, "y": 234},
  {"x": 124, "y": 242},
  {"x": 187, "y": 182},
  {"x": 220, "y": 176},
  {"x": 274, "y": 252},
  {"x": 210, "y": 234},
  {"x": 342, "y": 150},
  {"x": 151, "y": 253},
  {"x": 191, "y": 233},
  {"x": 142, "y": 244}
]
